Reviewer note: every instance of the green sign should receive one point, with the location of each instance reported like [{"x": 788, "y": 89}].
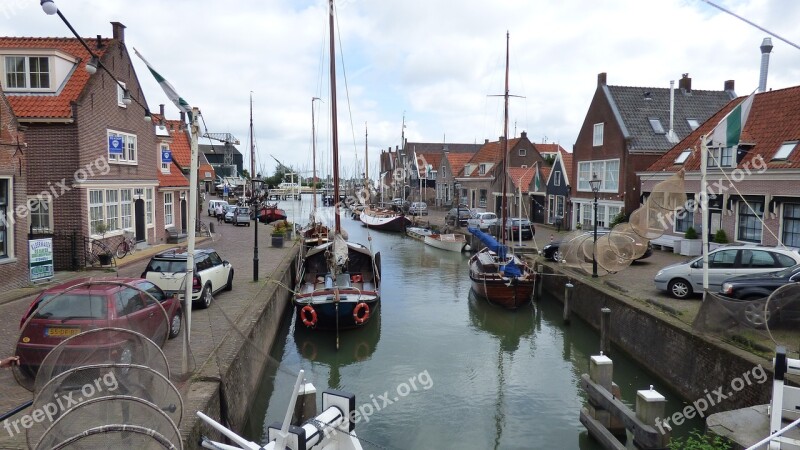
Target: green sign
[{"x": 40, "y": 258}]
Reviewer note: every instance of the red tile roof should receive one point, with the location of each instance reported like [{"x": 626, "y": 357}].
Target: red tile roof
[
  {"x": 457, "y": 161},
  {"x": 566, "y": 159},
  {"x": 52, "y": 105},
  {"x": 180, "y": 146},
  {"x": 490, "y": 152},
  {"x": 434, "y": 159},
  {"x": 774, "y": 119},
  {"x": 174, "y": 178},
  {"x": 545, "y": 176},
  {"x": 202, "y": 169}
]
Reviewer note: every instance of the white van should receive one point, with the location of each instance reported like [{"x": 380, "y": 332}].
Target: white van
[{"x": 212, "y": 205}]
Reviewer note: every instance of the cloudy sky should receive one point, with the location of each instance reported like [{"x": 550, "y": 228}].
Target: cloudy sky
[{"x": 435, "y": 62}]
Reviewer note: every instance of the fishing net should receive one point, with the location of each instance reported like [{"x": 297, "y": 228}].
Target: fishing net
[
  {"x": 127, "y": 436},
  {"x": 66, "y": 392},
  {"x": 759, "y": 323}
]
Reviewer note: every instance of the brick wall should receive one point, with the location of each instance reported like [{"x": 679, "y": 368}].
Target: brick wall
[{"x": 14, "y": 271}]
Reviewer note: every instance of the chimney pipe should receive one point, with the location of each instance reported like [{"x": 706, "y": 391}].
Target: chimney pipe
[
  {"x": 118, "y": 30},
  {"x": 161, "y": 109},
  {"x": 671, "y": 136},
  {"x": 99, "y": 41},
  {"x": 766, "y": 49},
  {"x": 729, "y": 86},
  {"x": 601, "y": 79},
  {"x": 183, "y": 117}
]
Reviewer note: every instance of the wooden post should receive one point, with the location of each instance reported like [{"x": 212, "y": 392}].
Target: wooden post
[
  {"x": 306, "y": 406},
  {"x": 650, "y": 407},
  {"x": 541, "y": 282},
  {"x": 567, "y": 292},
  {"x": 605, "y": 328}
]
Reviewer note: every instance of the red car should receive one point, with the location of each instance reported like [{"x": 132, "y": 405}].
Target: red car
[{"x": 92, "y": 306}]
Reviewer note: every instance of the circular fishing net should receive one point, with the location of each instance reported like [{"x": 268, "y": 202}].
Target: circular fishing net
[
  {"x": 66, "y": 391},
  {"x": 99, "y": 412},
  {"x": 109, "y": 436}
]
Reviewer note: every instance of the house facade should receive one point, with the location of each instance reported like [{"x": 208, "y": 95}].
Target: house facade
[
  {"x": 450, "y": 191},
  {"x": 173, "y": 186},
  {"x": 754, "y": 187},
  {"x": 558, "y": 201},
  {"x": 88, "y": 144},
  {"x": 18, "y": 214},
  {"x": 626, "y": 130},
  {"x": 427, "y": 166}
]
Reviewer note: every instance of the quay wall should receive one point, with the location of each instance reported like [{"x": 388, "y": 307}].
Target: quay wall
[
  {"x": 223, "y": 386},
  {"x": 692, "y": 364}
]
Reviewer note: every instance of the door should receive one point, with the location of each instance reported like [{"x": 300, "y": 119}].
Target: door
[
  {"x": 219, "y": 273},
  {"x": 538, "y": 208},
  {"x": 183, "y": 215},
  {"x": 138, "y": 207}
]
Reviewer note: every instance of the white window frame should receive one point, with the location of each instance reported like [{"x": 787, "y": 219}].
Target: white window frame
[
  {"x": 598, "y": 167},
  {"x": 683, "y": 156},
  {"x": 34, "y": 209},
  {"x": 27, "y": 73},
  {"x": 121, "y": 86},
  {"x": 126, "y": 209},
  {"x": 169, "y": 210},
  {"x": 597, "y": 134},
  {"x": 482, "y": 169},
  {"x": 100, "y": 209},
  {"x": 165, "y": 167},
  {"x": 149, "y": 207},
  {"x": 129, "y": 148},
  {"x": 693, "y": 123},
  {"x": 523, "y": 151},
  {"x": 717, "y": 154},
  {"x": 557, "y": 178}
]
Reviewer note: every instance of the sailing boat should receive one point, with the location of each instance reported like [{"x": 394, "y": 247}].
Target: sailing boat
[
  {"x": 339, "y": 281},
  {"x": 498, "y": 275},
  {"x": 315, "y": 233}
]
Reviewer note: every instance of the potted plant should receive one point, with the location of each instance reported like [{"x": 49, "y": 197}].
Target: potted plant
[
  {"x": 720, "y": 239},
  {"x": 278, "y": 233},
  {"x": 103, "y": 255},
  {"x": 691, "y": 245}
]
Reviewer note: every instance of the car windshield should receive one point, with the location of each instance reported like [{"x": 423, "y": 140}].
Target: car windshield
[
  {"x": 787, "y": 272},
  {"x": 72, "y": 306},
  {"x": 167, "y": 265}
]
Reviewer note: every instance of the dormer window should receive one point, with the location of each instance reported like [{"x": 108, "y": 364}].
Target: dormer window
[
  {"x": 655, "y": 123},
  {"x": 482, "y": 169},
  {"x": 693, "y": 123},
  {"x": 27, "y": 72},
  {"x": 785, "y": 150},
  {"x": 683, "y": 156}
]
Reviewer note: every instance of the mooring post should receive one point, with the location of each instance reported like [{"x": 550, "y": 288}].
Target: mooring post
[
  {"x": 601, "y": 371},
  {"x": 605, "y": 328},
  {"x": 650, "y": 406},
  {"x": 306, "y": 406},
  {"x": 567, "y": 292},
  {"x": 541, "y": 282}
]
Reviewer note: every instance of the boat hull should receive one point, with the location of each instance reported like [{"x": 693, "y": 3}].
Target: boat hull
[
  {"x": 327, "y": 311},
  {"x": 387, "y": 223},
  {"x": 448, "y": 242},
  {"x": 489, "y": 281}
]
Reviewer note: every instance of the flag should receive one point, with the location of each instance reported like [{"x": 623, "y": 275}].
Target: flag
[
  {"x": 182, "y": 104},
  {"x": 536, "y": 182},
  {"x": 729, "y": 130}
]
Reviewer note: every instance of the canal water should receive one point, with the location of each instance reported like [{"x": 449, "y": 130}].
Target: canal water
[{"x": 439, "y": 368}]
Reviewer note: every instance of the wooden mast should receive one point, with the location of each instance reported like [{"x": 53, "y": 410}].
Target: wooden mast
[
  {"x": 314, "y": 159},
  {"x": 366, "y": 161},
  {"x": 505, "y": 152},
  {"x": 334, "y": 125}
]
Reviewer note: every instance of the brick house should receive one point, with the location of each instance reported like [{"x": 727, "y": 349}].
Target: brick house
[
  {"x": 95, "y": 152},
  {"x": 763, "y": 174},
  {"x": 452, "y": 164},
  {"x": 430, "y": 157},
  {"x": 16, "y": 219},
  {"x": 173, "y": 186},
  {"x": 559, "y": 189},
  {"x": 482, "y": 177},
  {"x": 526, "y": 182},
  {"x": 627, "y": 129}
]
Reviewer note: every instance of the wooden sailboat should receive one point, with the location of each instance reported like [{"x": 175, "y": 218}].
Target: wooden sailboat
[
  {"x": 339, "y": 281},
  {"x": 315, "y": 232},
  {"x": 384, "y": 219},
  {"x": 496, "y": 273}
]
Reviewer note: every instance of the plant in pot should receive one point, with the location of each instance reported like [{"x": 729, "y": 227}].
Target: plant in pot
[
  {"x": 691, "y": 245},
  {"x": 103, "y": 254},
  {"x": 278, "y": 233},
  {"x": 720, "y": 239}
]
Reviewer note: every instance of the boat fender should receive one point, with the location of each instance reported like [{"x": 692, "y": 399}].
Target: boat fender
[
  {"x": 309, "y": 316},
  {"x": 361, "y": 313}
]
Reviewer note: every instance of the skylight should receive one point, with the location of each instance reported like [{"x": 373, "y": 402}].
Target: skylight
[
  {"x": 683, "y": 156},
  {"x": 785, "y": 150},
  {"x": 693, "y": 123},
  {"x": 655, "y": 122}
]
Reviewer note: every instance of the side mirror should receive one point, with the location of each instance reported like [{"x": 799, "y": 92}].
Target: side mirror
[{"x": 226, "y": 263}]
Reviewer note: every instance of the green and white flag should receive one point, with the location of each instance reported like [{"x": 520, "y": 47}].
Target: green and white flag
[
  {"x": 182, "y": 104},
  {"x": 729, "y": 130},
  {"x": 536, "y": 182}
]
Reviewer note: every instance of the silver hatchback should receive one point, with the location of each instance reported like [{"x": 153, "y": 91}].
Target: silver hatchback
[{"x": 682, "y": 279}]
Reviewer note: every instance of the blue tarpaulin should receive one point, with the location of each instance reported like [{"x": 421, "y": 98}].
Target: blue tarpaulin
[{"x": 511, "y": 269}]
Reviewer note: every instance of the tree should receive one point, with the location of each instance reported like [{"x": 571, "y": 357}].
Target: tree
[{"x": 245, "y": 173}]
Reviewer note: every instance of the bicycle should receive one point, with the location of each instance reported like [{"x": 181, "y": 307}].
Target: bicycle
[{"x": 128, "y": 245}]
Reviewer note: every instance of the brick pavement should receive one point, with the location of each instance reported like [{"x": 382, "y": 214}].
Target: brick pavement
[{"x": 208, "y": 329}]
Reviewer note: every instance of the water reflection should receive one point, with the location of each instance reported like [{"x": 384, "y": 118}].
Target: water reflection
[{"x": 507, "y": 326}]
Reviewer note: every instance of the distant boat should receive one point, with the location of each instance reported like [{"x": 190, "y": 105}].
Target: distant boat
[
  {"x": 384, "y": 219},
  {"x": 498, "y": 275},
  {"x": 271, "y": 213},
  {"x": 452, "y": 242},
  {"x": 418, "y": 233}
]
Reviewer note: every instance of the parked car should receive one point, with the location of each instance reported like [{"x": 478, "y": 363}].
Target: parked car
[
  {"x": 754, "y": 289},
  {"x": 482, "y": 220},
  {"x": 212, "y": 274},
  {"x": 463, "y": 213},
  {"x": 212, "y": 206},
  {"x": 242, "y": 216},
  {"x": 56, "y": 315},
  {"x": 418, "y": 209},
  {"x": 552, "y": 251},
  {"x": 682, "y": 279},
  {"x": 513, "y": 229},
  {"x": 230, "y": 211}
]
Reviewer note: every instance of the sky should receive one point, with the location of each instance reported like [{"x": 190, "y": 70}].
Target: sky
[{"x": 434, "y": 64}]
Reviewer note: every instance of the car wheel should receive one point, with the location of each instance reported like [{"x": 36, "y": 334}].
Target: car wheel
[
  {"x": 680, "y": 288},
  {"x": 229, "y": 286},
  {"x": 753, "y": 314},
  {"x": 175, "y": 325},
  {"x": 205, "y": 297},
  {"x": 557, "y": 256}
]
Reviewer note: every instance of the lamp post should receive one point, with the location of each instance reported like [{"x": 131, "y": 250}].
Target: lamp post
[
  {"x": 256, "y": 187},
  {"x": 595, "y": 184}
]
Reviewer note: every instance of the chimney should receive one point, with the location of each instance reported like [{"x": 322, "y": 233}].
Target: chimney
[
  {"x": 766, "y": 49},
  {"x": 486, "y": 141},
  {"x": 729, "y": 85},
  {"x": 119, "y": 31},
  {"x": 601, "y": 79},
  {"x": 99, "y": 42},
  {"x": 183, "y": 116},
  {"x": 672, "y": 138},
  {"x": 523, "y": 135},
  {"x": 161, "y": 109},
  {"x": 685, "y": 84}
]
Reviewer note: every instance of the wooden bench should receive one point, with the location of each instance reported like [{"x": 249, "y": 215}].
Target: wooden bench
[
  {"x": 174, "y": 237},
  {"x": 665, "y": 241}
]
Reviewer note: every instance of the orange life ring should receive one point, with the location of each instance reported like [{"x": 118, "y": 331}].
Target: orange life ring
[
  {"x": 358, "y": 317},
  {"x": 304, "y": 314},
  {"x": 356, "y": 278}
]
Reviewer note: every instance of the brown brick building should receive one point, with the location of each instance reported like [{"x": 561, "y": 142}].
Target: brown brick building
[{"x": 13, "y": 198}]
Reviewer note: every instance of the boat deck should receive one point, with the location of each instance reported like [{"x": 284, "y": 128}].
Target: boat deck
[{"x": 320, "y": 282}]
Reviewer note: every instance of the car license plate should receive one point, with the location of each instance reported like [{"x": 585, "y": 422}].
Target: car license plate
[{"x": 61, "y": 331}]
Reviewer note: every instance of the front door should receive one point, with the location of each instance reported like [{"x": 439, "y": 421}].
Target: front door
[
  {"x": 538, "y": 208},
  {"x": 138, "y": 207}
]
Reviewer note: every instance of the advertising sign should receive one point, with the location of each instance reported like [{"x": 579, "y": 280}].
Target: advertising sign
[
  {"x": 166, "y": 155},
  {"x": 40, "y": 261},
  {"x": 115, "y": 145}
]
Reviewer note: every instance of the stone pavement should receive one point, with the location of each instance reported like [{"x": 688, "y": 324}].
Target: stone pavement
[{"x": 209, "y": 327}]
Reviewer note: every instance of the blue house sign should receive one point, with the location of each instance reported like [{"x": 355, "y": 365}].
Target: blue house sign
[
  {"x": 166, "y": 155},
  {"x": 115, "y": 145}
]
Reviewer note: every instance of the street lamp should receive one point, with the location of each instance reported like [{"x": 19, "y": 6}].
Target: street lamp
[
  {"x": 256, "y": 187},
  {"x": 595, "y": 184}
]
